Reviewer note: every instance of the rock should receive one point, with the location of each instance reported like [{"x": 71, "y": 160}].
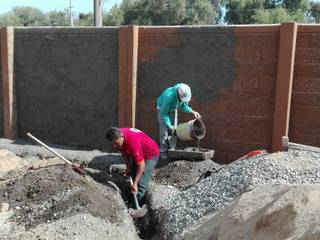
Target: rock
[
  {"x": 9, "y": 161},
  {"x": 4, "y": 207}
]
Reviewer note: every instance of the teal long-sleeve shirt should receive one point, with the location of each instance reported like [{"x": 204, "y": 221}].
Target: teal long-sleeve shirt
[{"x": 168, "y": 102}]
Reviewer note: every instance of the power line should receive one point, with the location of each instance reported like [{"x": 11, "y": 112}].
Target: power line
[{"x": 207, "y": 10}]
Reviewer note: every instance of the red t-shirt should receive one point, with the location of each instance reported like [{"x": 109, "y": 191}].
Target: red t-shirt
[{"x": 138, "y": 145}]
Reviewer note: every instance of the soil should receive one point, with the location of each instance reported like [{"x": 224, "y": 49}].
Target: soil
[
  {"x": 56, "y": 192},
  {"x": 183, "y": 174}
]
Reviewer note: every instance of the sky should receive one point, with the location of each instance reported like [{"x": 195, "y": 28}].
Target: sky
[{"x": 49, "y": 5}]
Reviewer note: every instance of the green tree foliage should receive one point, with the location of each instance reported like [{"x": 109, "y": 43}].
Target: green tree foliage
[
  {"x": 8, "y": 19},
  {"x": 58, "y": 18},
  {"x": 315, "y": 12},
  {"x": 168, "y": 12},
  {"x": 23, "y": 16},
  {"x": 85, "y": 19},
  {"x": 266, "y": 11},
  {"x": 176, "y": 12},
  {"x": 29, "y": 16},
  {"x": 114, "y": 17},
  {"x": 200, "y": 12}
]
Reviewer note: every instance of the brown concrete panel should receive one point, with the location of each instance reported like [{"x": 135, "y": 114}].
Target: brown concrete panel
[
  {"x": 67, "y": 83},
  {"x": 232, "y": 74},
  {"x": 128, "y": 50},
  {"x": 8, "y": 85},
  {"x": 309, "y": 28},
  {"x": 306, "y": 70},
  {"x": 287, "y": 47},
  {"x": 305, "y": 114}
]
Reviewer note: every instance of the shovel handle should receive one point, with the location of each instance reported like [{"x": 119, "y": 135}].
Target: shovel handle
[
  {"x": 47, "y": 147},
  {"x": 134, "y": 195}
]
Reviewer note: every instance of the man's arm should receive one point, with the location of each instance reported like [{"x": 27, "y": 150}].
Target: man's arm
[
  {"x": 140, "y": 170},
  {"x": 165, "y": 108},
  {"x": 186, "y": 108},
  {"x": 127, "y": 162}
]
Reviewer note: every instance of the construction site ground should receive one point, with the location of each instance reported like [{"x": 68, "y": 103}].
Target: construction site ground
[{"x": 269, "y": 196}]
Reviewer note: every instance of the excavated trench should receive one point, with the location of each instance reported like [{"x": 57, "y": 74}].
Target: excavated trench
[
  {"x": 115, "y": 178},
  {"x": 51, "y": 193}
]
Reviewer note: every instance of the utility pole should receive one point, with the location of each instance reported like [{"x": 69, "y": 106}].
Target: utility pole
[
  {"x": 97, "y": 10},
  {"x": 70, "y": 13}
]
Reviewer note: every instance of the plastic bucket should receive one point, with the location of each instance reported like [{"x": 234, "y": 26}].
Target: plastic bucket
[{"x": 192, "y": 130}]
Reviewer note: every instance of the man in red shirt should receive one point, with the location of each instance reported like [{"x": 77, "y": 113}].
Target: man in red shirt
[{"x": 139, "y": 152}]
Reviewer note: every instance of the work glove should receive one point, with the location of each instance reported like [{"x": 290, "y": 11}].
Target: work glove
[{"x": 171, "y": 131}]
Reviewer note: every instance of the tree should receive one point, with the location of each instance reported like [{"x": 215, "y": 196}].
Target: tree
[
  {"x": 58, "y": 18},
  {"x": 29, "y": 16},
  {"x": 85, "y": 19},
  {"x": 242, "y": 11},
  {"x": 8, "y": 19},
  {"x": 266, "y": 11},
  {"x": 23, "y": 16},
  {"x": 315, "y": 12},
  {"x": 114, "y": 17},
  {"x": 219, "y": 6},
  {"x": 168, "y": 12},
  {"x": 200, "y": 12}
]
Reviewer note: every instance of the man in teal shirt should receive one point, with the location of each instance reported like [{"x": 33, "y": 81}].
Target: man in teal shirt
[{"x": 168, "y": 103}]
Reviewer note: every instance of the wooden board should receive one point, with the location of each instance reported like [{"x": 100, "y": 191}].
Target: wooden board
[{"x": 191, "y": 154}]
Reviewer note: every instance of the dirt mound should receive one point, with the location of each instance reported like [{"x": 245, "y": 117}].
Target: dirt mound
[
  {"x": 9, "y": 161},
  {"x": 55, "y": 192},
  {"x": 183, "y": 174},
  {"x": 268, "y": 212}
]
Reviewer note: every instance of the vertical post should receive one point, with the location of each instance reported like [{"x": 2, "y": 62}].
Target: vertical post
[
  {"x": 7, "y": 55},
  {"x": 97, "y": 10},
  {"x": 128, "y": 57},
  {"x": 287, "y": 47},
  {"x": 71, "y": 16}
]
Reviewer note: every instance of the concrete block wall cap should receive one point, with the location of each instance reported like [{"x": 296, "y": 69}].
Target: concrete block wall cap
[
  {"x": 255, "y": 25},
  {"x": 309, "y": 28},
  {"x": 102, "y": 30}
]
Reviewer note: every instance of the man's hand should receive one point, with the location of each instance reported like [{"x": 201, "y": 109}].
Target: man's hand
[
  {"x": 171, "y": 131},
  {"x": 134, "y": 188},
  {"x": 196, "y": 114}
]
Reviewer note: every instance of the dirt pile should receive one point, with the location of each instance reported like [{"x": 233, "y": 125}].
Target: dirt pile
[
  {"x": 56, "y": 192},
  {"x": 269, "y": 212},
  {"x": 52, "y": 197},
  {"x": 9, "y": 161},
  {"x": 182, "y": 209},
  {"x": 182, "y": 174}
]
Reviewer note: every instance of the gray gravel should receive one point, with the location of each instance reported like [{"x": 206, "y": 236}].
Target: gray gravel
[{"x": 216, "y": 191}]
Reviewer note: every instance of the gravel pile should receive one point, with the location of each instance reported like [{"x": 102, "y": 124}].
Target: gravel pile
[{"x": 216, "y": 191}]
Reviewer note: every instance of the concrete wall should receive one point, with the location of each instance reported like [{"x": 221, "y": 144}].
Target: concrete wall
[
  {"x": 67, "y": 83},
  {"x": 232, "y": 72},
  {"x": 305, "y": 110}
]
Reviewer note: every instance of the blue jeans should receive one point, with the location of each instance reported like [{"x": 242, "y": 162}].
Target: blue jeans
[
  {"x": 146, "y": 176},
  {"x": 166, "y": 142}
]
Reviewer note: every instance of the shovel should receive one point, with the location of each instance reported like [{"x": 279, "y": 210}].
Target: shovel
[
  {"x": 136, "y": 203},
  {"x": 75, "y": 167}
]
